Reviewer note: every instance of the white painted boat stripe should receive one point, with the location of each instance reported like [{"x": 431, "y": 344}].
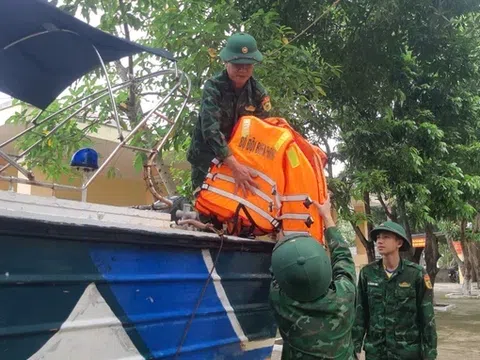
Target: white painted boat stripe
[
  {"x": 277, "y": 347},
  {"x": 259, "y": 344},
  {"x": 216, "y": 279},
  {"x": 111, "y": 341}
]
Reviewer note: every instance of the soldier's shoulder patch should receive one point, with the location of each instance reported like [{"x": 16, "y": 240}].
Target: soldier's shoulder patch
[
  {"x": 266, "y": 104},
  {"x": 428, "y": 283},
  {"x": 404, "y": 284}
]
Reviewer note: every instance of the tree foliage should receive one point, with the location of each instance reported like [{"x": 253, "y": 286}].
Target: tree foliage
[{"x": 404, "y": 104}]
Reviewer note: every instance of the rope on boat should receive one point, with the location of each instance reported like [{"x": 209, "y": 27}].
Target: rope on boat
[{"x": 199, "y": 301}]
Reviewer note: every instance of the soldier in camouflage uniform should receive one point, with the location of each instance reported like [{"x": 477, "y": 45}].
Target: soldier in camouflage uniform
[
  {"x": 313, "y": 296},
  {"x": 394, "y": 303},
  {"x": 226, "y": 97}
]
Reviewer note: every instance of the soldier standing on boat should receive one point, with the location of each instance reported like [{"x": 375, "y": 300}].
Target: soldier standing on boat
[
  {"x": 394, "y": 303},
  {"x": 313, "y": 297},
  {"x": 226, "y": 97}
]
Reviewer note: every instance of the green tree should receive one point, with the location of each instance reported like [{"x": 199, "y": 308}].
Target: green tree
[{"x": 403, "y": 102}]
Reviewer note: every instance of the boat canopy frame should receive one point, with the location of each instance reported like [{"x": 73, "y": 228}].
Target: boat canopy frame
[{"x": 12, "y": 52}]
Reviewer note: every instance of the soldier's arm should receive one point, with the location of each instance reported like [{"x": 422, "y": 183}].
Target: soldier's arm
[
  {"x": 210, "y": 115},
  {"x": 343, "y": 266},
  {"x": 362, "y": 314},
  {"x": 426, "y": 317}
]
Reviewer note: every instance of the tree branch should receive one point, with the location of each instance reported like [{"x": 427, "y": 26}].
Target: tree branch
[
  {"x": 360, "y": 235},
  {"x": 385, "y": 207},
  {"x": 329, "y": 156},
  {"x": 132, "y": 98}
]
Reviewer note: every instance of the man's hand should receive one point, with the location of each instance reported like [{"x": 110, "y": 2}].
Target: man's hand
[
  {"x": 242, "y": 175},
  {"x": 325, "y": 212}
]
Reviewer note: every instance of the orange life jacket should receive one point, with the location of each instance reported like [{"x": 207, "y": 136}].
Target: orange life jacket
[
  {"x": 304, "y": 168},
  {"x": 289, "y": 177}
]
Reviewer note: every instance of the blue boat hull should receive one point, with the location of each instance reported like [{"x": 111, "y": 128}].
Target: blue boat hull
[{"x": 89, "y": 292}]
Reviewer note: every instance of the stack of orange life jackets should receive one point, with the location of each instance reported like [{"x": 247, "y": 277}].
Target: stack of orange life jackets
[{"x": 289, "y": 177}]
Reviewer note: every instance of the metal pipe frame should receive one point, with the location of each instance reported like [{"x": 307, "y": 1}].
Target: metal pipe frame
[
  {"x": 134, "y": 130},
  {"x": 14, "y": 179},
  {"x": 101, "y": 94},
  {"x": 122, "y": 144},
  {"x": 13, "y": 163},
  {"x": 56, "y": 128},
  {"x": 175, "y": 120},
  {"x": 151, "y": 161},
  {"x": 58, "y": 112},
  {"x": 110, "y": 93}
]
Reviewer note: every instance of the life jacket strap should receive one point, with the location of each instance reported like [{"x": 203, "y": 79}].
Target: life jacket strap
[
  {"x": 238, "y": 227},
  {"x": 275, "y": 223},
  {"x": 258, "y": 192},
  {"x": 307, "y": 201},
  {"x": 260, "y": 174},
  {"x": 305, "y": 217},
  {"x": 291, "y": 232}
]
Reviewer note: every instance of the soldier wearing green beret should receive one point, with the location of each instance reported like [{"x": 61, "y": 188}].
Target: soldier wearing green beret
[
  {"x": 226, "y": 97},
  {"x": 394, "y": 314},
  {"x": 313, "y": 296}
]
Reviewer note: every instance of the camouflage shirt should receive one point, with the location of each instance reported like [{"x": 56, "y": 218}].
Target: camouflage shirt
[
  {"x": 396, "y": 314},
  {"x": 320, "y": 329},
  {"x": 220, "y": 109}
]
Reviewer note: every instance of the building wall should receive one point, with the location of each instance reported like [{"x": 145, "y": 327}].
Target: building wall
[
  {"x": 4, "y": 185},
  {"x": 103, "y": 190},
  {"x": 120, "y": 192},
  {"x": 127, "y": 189}
]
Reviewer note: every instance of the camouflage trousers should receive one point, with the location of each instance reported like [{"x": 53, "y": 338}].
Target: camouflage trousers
[{"x": 197, "y": 176}]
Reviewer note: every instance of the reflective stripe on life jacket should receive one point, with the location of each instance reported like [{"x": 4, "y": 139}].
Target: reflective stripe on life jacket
[{"x": 289, "y": 176}]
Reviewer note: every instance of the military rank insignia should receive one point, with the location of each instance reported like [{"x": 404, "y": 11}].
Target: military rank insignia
[
  {"x": 266, "y": 104},
  {"x": 428, "y": 283}
]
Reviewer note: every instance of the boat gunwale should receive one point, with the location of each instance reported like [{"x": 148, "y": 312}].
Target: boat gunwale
[{"x": 113, "y": 233}]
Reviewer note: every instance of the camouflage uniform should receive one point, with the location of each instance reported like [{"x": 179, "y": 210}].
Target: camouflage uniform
[
  {"x": 396, "y": 314},
  {"x": 320, "y": 329},
  {"x": 220, "y": 109}
]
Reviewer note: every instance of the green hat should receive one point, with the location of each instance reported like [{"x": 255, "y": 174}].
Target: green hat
[
  {"x": 392, "y": 227},
  {"x": 301, "y": 267},
  {"x": 241, "y": 48}
]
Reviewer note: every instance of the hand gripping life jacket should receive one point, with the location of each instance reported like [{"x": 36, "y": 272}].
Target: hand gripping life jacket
[{"x": 289, "y": 177}]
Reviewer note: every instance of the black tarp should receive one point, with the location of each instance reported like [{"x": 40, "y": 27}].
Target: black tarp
[{"x": 39, "y": 68}]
